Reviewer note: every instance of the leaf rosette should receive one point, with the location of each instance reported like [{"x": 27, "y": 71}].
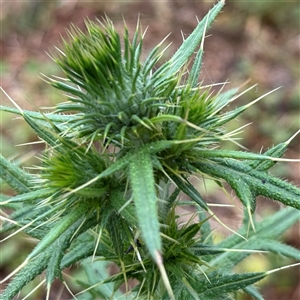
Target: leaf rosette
[{"x": 129, "y": 133}]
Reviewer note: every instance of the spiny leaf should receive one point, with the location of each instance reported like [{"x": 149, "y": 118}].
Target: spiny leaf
[
  {"x": 230, "y": 282},
  {"x": 53, "y": 269},
  {"x": 266, "y": 229},
  {"x": 260, "y": 183},
  {"x": 206, "y": 232},
  {"x": 243, "y": 191},
  {"x": 145, "y": 199},
  {"x": 223, "y": 99},
  {"x": 276, "y": 247},
  {"x": 62, "y": 225},
  {"x": 30, "y": 196},
  {"x": 60, "y": 246},
  {"x": 55, "y": 118},
  {"x": 232, "y": 154},
  {"x": 18, "y": 179},
  {"x": 252, "y": 291},
  {"x": 27, "y": 273},
  {"x": 26, "y": 212},
  {"x": 189, "y": 45},
  {"x": 122, "y": 162},
  {"x": 44, "y": 133},
  {"x": 195, "y": 71},
  {"x": 123, "y": 207},
  {"x": 276, "y": 151},
  {"x": 115, "y": 226},
  {"x": 77, "y": 252},
  {"x": 189, "y": 189}
]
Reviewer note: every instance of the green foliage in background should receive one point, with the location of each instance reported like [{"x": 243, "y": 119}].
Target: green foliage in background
[{"x": 118, "y": 154}]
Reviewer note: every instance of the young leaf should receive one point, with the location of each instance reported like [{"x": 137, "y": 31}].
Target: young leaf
[
  {"x": 189, "y": 189},
  {"x": 189, "y": 45},
  {"x": 30, "y": 196},
  {"x": 145, "y": 199},
  {"x": 55, "y": 118},
  {"x": 62, "y": 226},
  {"x": 18, "y": 179}
]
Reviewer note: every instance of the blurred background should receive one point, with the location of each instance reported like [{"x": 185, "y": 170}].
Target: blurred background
[{"x": 250, "y": 40}]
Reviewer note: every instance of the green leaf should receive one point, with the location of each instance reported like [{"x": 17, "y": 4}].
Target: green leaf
[
  {"x": 63, "y": 224},
  {"x": 145, "y": 199},
  {"x": 30, "y": 196},
  {"x": 26, "y": 274},
  {"x": 260, "y": 183},
  {"x": 18, "y": 179},
  {"x": 4, "y": 202},
  {"x": 60, "y": 245},
  {"x": 55, "y": 118},
  {"x": 4, "y": 198},
  {"x": 232, "y": 154},
  {"x": 227, "y": 283},
  {"x": 53, "y": 269},
  {"x": 123, "y": 207},
  {"x": 44, "y": 133},
  {"x": 252, "y": 291},
  {"x": 204, "y": 249},
  {"x": 189, "y": 45},
  {"x": 122, "y": 162},
  {"x": 21, "y": 214},
  {"x": 205, "y": 228},
  {"x": 267, "y": 229},
  {"x": 223, "y": 99},
  {"x": 244, "y": 192},
  {"x": 276, "y": 151},
  {"x": 170, "y": 202},
  {"x": 189, "y": 189},
  {"x": 193, "y": 78},
  {"x": 276, "y": 247},
  {"x": 116, "y": 228},
  {"x": 97, "y": 272},
  {"x": 77, "y": 253}
]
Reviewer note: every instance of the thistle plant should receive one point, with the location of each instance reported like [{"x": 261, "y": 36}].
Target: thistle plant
[{"x": 119, "y": 154}]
